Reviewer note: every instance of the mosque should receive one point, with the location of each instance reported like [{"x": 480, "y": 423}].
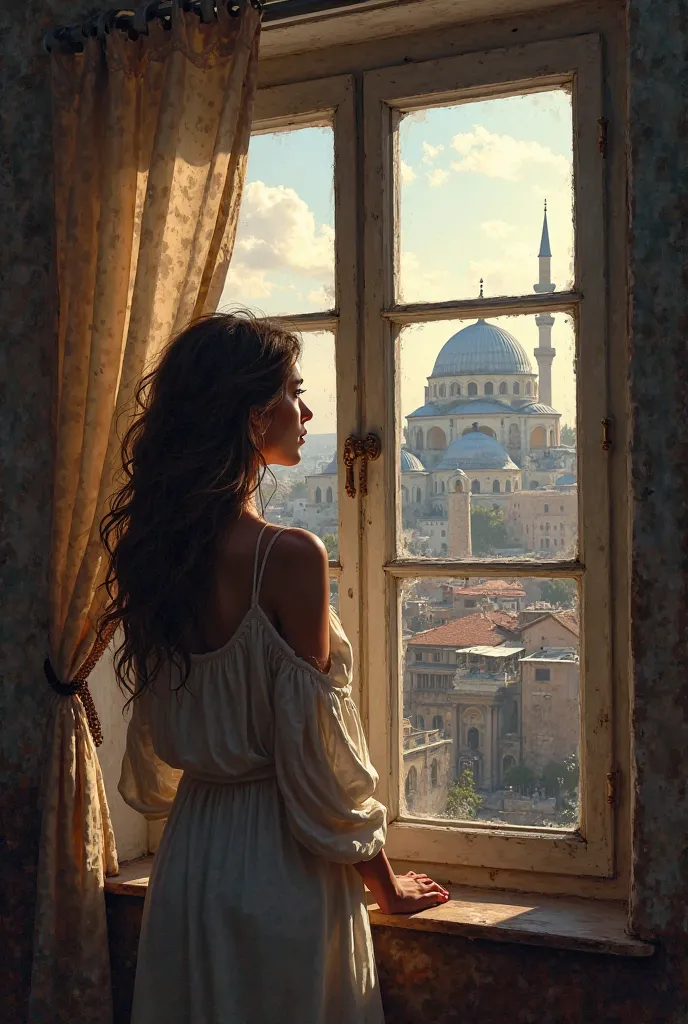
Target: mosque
[{"x": 487, "y": 426}]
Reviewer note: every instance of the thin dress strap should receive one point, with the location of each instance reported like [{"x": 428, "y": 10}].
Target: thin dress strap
[{"x": 258, "y": 576}]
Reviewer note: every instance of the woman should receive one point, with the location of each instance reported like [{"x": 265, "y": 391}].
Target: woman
[{"x": 242, "y": 721}]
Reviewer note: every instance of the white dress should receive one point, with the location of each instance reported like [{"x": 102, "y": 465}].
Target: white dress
[{"x": 254, "y": 912}]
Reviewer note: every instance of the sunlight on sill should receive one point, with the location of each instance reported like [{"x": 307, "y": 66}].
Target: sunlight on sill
[{"x": 557, "y": 922}]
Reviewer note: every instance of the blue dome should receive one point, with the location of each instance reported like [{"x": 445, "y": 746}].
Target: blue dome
[
  {"x": 475, "y": 450},
  {"x": 566, "y": 480},
  {"x": 410, "y": 463},
  {"x": 537, "y": 409},
  {"x": 481, "y": 348}
]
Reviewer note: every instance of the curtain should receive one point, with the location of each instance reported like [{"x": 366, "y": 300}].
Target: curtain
[{"x": 151, "y": 140}]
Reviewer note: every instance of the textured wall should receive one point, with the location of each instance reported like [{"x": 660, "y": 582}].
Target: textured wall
[
  {"x": 26, "y": 367},
  {"x": 658, "y": 133}
]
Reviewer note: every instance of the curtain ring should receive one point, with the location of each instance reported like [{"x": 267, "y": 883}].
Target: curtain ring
[
  {"x": 142, "y": 15},
  {"x": 207, "y": 11},
  {"x": 104, "y": 23}
]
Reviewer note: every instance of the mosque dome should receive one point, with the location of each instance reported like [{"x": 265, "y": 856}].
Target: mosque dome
[
  {"x": 410, "y": 463},
  {"x": 481, "y": 348},
  {"x": 475, "y": 450}
]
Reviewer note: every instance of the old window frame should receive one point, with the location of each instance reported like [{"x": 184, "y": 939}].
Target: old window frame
[{"x": 576, "y": 62}]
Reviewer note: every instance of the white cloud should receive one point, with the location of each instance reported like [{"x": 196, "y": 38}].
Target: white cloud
[
  {"x": 437, "y": 177},
  {"x": 427, "y": 285},
  {"x": 431, "y": 152},
  {"x": 503, "y": 156},
  {"x": 278, "y": 231},
  {"x": 407, "y": 173},
  {"x": 497, "y": 229},
  {"x": 321, "y": 298}
]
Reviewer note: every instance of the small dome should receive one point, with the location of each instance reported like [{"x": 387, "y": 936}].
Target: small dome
[
  {"x": 410, "y": 463},
  {"x": 566, "y": 480},
  {"x": 481, "y": 348},
  {"x": 535, "y": 409},
  {"x": 475, "y": 450}
]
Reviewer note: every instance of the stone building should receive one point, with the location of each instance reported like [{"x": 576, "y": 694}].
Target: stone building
[
  {"x": 545, "y": 521},
  {"x": 427, "y": 769},
  {"x": 550, "y": 706},
  {"x": 507, "y": 597}
]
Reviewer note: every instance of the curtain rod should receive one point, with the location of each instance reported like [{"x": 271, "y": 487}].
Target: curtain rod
[{"x": 70, "y": 38}]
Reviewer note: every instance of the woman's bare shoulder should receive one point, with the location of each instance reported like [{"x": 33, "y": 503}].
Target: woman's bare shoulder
[{"x": 300, "y": 549}]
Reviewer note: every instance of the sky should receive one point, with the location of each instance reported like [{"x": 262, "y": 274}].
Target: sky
[{"x": 474, "y": 179}]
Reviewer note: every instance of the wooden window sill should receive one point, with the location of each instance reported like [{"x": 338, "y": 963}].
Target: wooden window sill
[{"x": 556, "y": 922}]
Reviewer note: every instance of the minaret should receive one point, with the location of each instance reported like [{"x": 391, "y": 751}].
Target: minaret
[{"x": 544, "y": 353}]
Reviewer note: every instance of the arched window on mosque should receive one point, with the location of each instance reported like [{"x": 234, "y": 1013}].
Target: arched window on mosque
[
  {"x": 328, "y": 496},
  {"x": 318, "y": 496},
  {"x": 443, "y": 487},
  {"x": 504, "y": 388},
  {"x": 419, "y": 439},
  {"x": 454, "y": 389},
  {"x": 489, "y": 388},
  {"x": 419, "y": 496},
  {"x": 475, "y": 487},
  {"x": 517, "y": 388},
  {"x": 472, "y": 389},
  {"x": 434, "y": 390},
  {"x": 529, "y": 388},
  {"x": 495, "y": 487},
  {"x": 507, "y": 487},
  {"x": 438, "y": 722},
  {"x": 443, "y": 391}
]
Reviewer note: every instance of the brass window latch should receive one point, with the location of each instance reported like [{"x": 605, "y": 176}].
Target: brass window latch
[{"x": 354, "y": 448}]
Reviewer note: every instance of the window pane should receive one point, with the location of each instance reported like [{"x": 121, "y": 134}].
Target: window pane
[
  {"x": 306, "y": 495},
  {"x": 474, "y": 182},
  {"x": 490, "y": 691},
  {"x": 488, "y": 460},
  {"x": 283, "y": 259}
]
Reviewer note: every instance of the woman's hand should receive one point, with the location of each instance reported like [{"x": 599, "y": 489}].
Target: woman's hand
[{"x": 412, "y": 892}]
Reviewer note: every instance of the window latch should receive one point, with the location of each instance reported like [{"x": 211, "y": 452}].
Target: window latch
[
  {"x": 606, "y": 435},
  {"x": 355, "y": 448},
  {"x": 611, "y": 789}
]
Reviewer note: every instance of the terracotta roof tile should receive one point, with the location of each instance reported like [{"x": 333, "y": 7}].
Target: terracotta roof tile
[
  {"x": 498, "y": 588},
  {"x": 471, "y": 631}
]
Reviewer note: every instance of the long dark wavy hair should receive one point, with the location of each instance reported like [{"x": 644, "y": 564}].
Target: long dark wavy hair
[{"x": 191, "y": 462}]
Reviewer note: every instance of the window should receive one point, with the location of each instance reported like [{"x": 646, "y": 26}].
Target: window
[
  {"x": 542, "y": 675},
  {"x": 436, "y": 657},
  {"x": 443, "y": 391},
  {"x": 489, "y": 388},
  {"x": 438, "y": 722},
  {"x": 433, "y": 773},
  {"x": 546, "y": 508},
  {"x": 496, "y": 487},
  {"x": 504, "y": 388},
  {"x": 419, "y": 655},
  {"x": 562, "y": 81}
]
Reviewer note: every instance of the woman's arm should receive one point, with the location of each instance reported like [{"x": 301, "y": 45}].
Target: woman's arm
[
  {"x": 299, "y": 590},
  {"x": 399, "y": 894}
]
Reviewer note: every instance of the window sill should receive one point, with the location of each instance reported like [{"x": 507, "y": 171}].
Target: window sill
[{"x": 589, "y": 926}]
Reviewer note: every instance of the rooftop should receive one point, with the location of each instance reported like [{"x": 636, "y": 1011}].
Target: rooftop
[
  {"x": 481, "y": 629},
  {"x": 503, "y": 651},
  {"x": 568, "y": 654},
  {"x": 567, "y": 619},
  {"x": 491, "y": 588}
]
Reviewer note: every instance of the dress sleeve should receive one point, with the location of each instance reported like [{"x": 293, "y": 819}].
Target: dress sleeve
[
  {"x": 146, "y": 782},
  {"x": 323, "y": 768}
]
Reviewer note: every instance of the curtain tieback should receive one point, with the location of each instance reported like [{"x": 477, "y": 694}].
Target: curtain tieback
[{"x": 79, "y": 685}]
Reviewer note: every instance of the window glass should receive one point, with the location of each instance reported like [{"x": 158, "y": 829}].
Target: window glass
[
  {"x": 505, "y": 708},
  {"x": 474, "y": 181}
]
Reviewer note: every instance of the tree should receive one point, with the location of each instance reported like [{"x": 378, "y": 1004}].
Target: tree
[
  {"x": 298, "y": 490},
  {"x": 488, "y": 531},
  {"x": 332, "y": 545},
  {"x": 562, "y": 780},
  {"x": 560, "y": 593},
  {"x": 568, "y": 435},
  {"x": 462, "y": 799},
  {"x": 520, "y": 778}
]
